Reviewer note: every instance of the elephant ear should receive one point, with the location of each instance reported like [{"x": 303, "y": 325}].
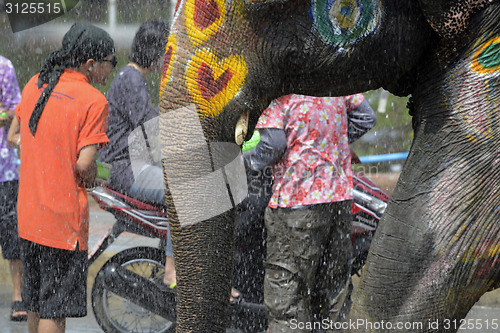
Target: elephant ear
[{"x": 449, "y": 18}]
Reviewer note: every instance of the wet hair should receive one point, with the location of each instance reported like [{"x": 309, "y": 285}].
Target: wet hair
[
  {"x": 82, "y": 42},
  {"x": 149, "y": 43}
]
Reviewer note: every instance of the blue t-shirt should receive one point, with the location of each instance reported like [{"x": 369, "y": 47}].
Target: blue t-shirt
[{"x": 129, "y": 107}]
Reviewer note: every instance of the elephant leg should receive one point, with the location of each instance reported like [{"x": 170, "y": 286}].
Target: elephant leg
[
  {"x": 428, "y": 263},
  {"x": 436, "y": 250}
]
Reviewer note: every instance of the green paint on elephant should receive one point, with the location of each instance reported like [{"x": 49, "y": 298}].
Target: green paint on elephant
[
  {"x": 487, "y": 59},
  {"x": 345, "y": 22},
  {"x": 490, "y": 56}
]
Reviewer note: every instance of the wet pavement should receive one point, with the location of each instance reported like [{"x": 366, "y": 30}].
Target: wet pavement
[
  {"x": 73, "y": 325},
  {"x": 480, "y": 319}
]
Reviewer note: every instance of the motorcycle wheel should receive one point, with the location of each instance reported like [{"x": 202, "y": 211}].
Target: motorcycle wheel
[{"x": 118, "y": 315}]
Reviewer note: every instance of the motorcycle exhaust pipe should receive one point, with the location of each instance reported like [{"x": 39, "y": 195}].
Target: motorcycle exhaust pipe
[
  {"x": 146, "y": 294},
  {"x": 139, "y": 290}
]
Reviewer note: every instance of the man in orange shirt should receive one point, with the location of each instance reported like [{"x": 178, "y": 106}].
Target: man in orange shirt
[{"x": 62, "y": 122}]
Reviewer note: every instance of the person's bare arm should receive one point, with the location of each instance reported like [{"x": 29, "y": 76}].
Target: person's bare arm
[
  {"x": 86, "y": 166},
  {"x": 14, "y": 136}
]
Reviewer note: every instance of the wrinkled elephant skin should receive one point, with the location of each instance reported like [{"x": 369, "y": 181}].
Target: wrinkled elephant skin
[{"x": 437, "y": 249}]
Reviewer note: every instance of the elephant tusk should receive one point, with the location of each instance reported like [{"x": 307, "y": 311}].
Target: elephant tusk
[{"x": 241, "y": 129}]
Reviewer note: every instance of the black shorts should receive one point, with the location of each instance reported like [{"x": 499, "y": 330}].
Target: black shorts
[
  {"x": 9, "y": 238},
  {"x": 54, "y": 281}
]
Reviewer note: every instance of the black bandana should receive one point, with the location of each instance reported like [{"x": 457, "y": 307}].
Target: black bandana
[{"x": 83, "y": 41}]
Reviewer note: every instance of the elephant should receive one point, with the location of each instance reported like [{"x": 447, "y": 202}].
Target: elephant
[{"x": 437, "y": 249}]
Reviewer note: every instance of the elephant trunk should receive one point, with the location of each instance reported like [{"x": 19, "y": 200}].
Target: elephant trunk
[
  {"x": 203, "y": 282},
  {"x": 204, "y": 182}
]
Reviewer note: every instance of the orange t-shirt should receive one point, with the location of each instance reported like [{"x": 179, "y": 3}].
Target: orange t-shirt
[{"x": 52, "y": 204}]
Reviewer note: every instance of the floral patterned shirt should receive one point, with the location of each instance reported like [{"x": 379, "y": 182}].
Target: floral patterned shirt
[
  {"x": 316, "y": 167},
  {"x": 9, "y": 98}
]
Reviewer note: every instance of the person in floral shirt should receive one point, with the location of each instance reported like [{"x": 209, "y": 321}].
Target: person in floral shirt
[
  {"x": 9, "y": 175},
  {"x": 308, "y": 219}
]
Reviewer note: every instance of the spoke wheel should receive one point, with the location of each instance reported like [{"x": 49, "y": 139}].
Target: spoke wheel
[{"x": 118, "y": 315}]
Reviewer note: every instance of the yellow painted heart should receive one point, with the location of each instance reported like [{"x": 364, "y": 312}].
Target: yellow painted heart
[
  {"x": 168, "y": 62},
  {"x": 203, "y": 19},
  {"x": 212, "y": 83}
]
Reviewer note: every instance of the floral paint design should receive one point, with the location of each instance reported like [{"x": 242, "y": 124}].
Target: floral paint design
[
  {"x": 168, "y": 62},
  {"x": 487, "y": 59},
  {"x": 203, "y": 19},
  {"x": 342, "y": 23},
  {"x": 213, "y": 82},
  {"x": 478, "y": 88}
]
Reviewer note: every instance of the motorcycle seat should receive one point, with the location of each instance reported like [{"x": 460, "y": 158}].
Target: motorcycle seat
[{"x": 129, "y": 200}]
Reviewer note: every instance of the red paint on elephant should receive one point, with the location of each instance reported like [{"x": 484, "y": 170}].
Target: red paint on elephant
[
  {"x": 205, "y": 13},
  {"x": 177, "y": 5},
  {"x": 208, "y": 86},
  {"x": 166, "y": 60}
]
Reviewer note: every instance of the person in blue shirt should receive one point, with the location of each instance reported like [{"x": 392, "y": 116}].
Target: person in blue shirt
[{"x": 130, "y": 110}]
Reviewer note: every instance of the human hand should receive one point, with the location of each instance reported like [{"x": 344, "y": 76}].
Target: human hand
[
  {"x": 5, "y": 117},
  {"x": 102, "y": 182}
]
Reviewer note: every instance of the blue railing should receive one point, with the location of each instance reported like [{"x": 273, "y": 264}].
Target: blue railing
[{"x": 383, "y": 157}]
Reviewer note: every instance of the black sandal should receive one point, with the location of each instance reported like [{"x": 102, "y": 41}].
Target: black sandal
[{"x": 18, "y": 306}]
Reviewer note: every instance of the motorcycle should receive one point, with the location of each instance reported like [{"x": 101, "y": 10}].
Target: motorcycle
[
  {"x": 127, "y": 294},
  {"x": 127, "y": 308}
]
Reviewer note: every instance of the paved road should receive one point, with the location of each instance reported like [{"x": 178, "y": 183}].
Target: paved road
[{"x": 74, "y": 325}]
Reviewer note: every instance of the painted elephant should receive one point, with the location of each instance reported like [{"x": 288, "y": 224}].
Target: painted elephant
[{"x": 438, "y": 248}]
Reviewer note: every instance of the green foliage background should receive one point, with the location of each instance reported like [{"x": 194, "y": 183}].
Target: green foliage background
[{"x": 393, "y": 132}]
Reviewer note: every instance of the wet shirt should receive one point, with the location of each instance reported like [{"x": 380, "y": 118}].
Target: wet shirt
[
  {"x": 316, "y": 166},
  {"x": 129, "y": 107},
  {"x": 9, "y": 97},
  {"x": 52, "y": 205}
]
